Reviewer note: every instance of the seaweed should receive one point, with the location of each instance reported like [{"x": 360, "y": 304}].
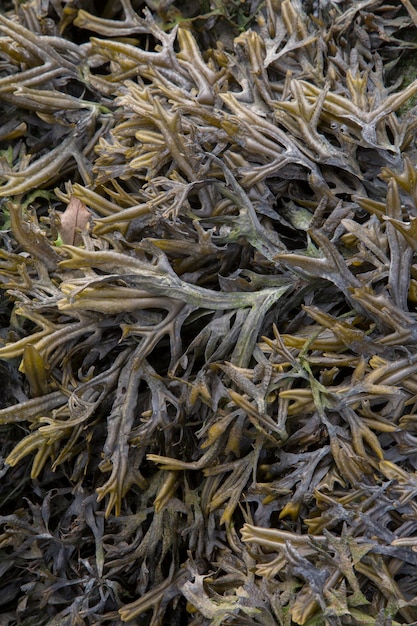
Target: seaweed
[{"x": 209, "y": 292}]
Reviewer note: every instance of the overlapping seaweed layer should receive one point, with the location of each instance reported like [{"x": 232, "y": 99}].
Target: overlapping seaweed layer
[{"x": 209, "y": 277}]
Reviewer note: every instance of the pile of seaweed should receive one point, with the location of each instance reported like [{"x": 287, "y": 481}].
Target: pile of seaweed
[{"x": 208, "y": 313}]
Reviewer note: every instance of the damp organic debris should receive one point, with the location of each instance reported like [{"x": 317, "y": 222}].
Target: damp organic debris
[{"x": 208, "y": 270}]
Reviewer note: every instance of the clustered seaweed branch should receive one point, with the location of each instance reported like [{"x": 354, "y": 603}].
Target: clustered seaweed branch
[{"x": 209, "y": 285}]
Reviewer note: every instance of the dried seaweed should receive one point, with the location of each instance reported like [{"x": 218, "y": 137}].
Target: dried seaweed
[{"x": 209, "y": 292}]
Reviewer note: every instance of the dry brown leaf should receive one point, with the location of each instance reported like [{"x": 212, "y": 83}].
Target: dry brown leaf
[{"x": 73, "y": 220}]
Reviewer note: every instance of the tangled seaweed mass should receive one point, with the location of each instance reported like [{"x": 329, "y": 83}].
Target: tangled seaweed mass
[{"x": 208, "y": 316}]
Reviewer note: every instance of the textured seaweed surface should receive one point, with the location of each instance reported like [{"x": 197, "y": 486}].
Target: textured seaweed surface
[{"x": 208, "y": 313}]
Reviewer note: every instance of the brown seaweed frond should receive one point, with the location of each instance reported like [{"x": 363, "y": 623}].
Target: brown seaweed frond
[{"x": 209, "y": 286}]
